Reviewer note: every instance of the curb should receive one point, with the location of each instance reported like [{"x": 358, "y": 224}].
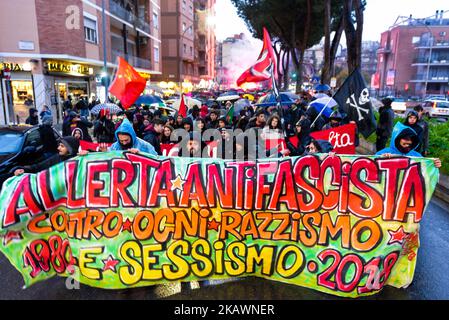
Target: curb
[{"x": 442, "y": 188}]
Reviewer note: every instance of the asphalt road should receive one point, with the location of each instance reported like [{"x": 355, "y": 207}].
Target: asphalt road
[{"x": 431, "y": 278}]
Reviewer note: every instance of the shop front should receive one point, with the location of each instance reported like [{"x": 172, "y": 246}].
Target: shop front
[
  {"x": 68, "y": 79},
  {"x": 17, "y": 93}
]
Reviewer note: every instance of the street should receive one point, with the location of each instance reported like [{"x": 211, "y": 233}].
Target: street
[{"x": 430, "y": 281}]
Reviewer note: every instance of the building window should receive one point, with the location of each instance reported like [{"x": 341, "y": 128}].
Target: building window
[
  {"x": 184, "y": 26},
  {"x": 155, "y": 20},
  {"x": 191, "y": 51},
  {"x": 90, "y": 30},
  {"x": 185, "y": 48},
  {"x": 156, "y": 54}
]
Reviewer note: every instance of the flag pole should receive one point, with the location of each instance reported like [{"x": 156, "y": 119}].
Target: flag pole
[{"x": 321, "y": 112}]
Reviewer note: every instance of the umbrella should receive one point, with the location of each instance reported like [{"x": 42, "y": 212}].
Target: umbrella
[
  {"x": 320, "y": 103},
  {"x": 287, "y": 99},
  {"x": 248, "y": 96},
  {"x": 149, "y": 100},
  {"x": 190, "y": 102},
  {"x": 241, "y": 104},
  {"x": 113, "y": 108},
  {"x": 322, "y": 87},
  {"x": 228, "y": 97}
]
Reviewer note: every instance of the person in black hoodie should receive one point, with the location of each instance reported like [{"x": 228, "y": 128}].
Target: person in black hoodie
[
  {"x": 68, "y": 148},
  {"x": 33, "y": 119},
  {"x": 104, "y": 128},
  {"x": 152, "y": 134},
  {"x": 48, "y": 137},
  {"x": 412, "y": 122},
  {"x": 298, "y": 143}
]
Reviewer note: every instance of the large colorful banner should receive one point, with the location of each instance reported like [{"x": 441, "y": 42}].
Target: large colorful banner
[
  {"x": 344, "y": 225},
  {"x": 342, "y": 138}
]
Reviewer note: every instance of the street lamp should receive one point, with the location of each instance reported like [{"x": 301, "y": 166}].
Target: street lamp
[
  {"x": 180, "y": 55},
  {"x": 428, "y": 60}
]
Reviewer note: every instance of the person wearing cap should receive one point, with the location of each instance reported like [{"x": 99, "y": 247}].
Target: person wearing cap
[
  {"x": 128, "y": 141},
  {"x": 404, "y": 142},
  {"x": 385, "y": 124},
  {"x": 67, "y": 148},
  {"x": 335, "y": 120}
]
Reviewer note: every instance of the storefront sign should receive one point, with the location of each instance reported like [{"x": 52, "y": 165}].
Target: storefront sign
[
  {"x": 145, "y": 75},
  {"x": 344, "y": 225},
  {"x": 67, "y": 68},
  {"x": 13, "y": 67}
]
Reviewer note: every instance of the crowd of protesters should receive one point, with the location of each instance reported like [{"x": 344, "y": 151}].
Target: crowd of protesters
[{"x": 234, "y": 135}]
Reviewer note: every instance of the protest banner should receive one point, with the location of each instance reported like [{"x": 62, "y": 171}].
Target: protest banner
[
  {"x": 92, "y": 146},
  {"x": 344, "y": 225},
  {"x": 342, "y": 138}
]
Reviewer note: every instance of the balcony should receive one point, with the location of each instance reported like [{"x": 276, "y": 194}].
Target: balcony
[
  {"x": 382, "y": 50},
  {"x": 136, "y": 62},
  {"x": 433, "y": 62},
  {"x": 431, "y": 79},
  {"x": 427, "y": 44},
  {"x": 116, "y": 9}
]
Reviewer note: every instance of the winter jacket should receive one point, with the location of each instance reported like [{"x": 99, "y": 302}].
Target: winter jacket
[
  {"x": 400, "y": 131},
  {"x": 152, "y": 137},
  {"x": 72, "y": 146},
  {"x": 127, "y": 128}
]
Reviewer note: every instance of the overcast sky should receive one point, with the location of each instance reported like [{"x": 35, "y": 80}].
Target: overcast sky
[{"x": 379, "y": 15}]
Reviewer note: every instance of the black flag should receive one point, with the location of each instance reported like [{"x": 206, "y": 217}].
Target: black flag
[{"x": 354, "y": 101}]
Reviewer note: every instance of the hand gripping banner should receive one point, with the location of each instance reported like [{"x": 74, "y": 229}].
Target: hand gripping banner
[{"x": 344, "y": 225}]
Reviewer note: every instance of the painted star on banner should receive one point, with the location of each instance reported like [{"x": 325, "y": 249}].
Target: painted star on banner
[
  {"x": 127, "y": 225},
  {"x": 396, "y": 236},
  {"x": 11, "y": 236},
  {"x": 110, "y": 263},
  {"x": 177, "y": 183},
  {"x": 213, "y": 224}
]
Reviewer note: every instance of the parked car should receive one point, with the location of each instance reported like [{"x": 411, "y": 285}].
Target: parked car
[
  {"x": 20, "y": 145},
  {"x": 399, "y": 105},
  {"x": 436, "y": 108}
]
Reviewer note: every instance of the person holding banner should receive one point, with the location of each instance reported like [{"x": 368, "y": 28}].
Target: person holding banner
[
  {"x": 68, "y": 148},
  {"x": 404, "y": 142},
  {"x": 298, "y": 143},
  {"x": 128, "y": 141},
  {"x": 335, "y": 120}
]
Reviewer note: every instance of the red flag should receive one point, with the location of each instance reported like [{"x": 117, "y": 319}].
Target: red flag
[
  {"x": 342, "y": 138},
  {"x": 261, "y": 70},
  {"x": 182, "y": 107},
  {"x": 127, "y": 85}
]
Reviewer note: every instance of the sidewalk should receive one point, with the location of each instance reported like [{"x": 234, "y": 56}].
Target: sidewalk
[{"x": 442, "y": 188}]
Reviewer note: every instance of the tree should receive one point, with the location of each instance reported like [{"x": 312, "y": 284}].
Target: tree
[
  {"x": 333, "y": 22},
  {"x": 298, "y": 24},
  {"x": 353, "y": 26}
]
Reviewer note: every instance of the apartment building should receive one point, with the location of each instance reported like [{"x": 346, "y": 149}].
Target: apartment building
[{"x": 52, "y": 49}]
